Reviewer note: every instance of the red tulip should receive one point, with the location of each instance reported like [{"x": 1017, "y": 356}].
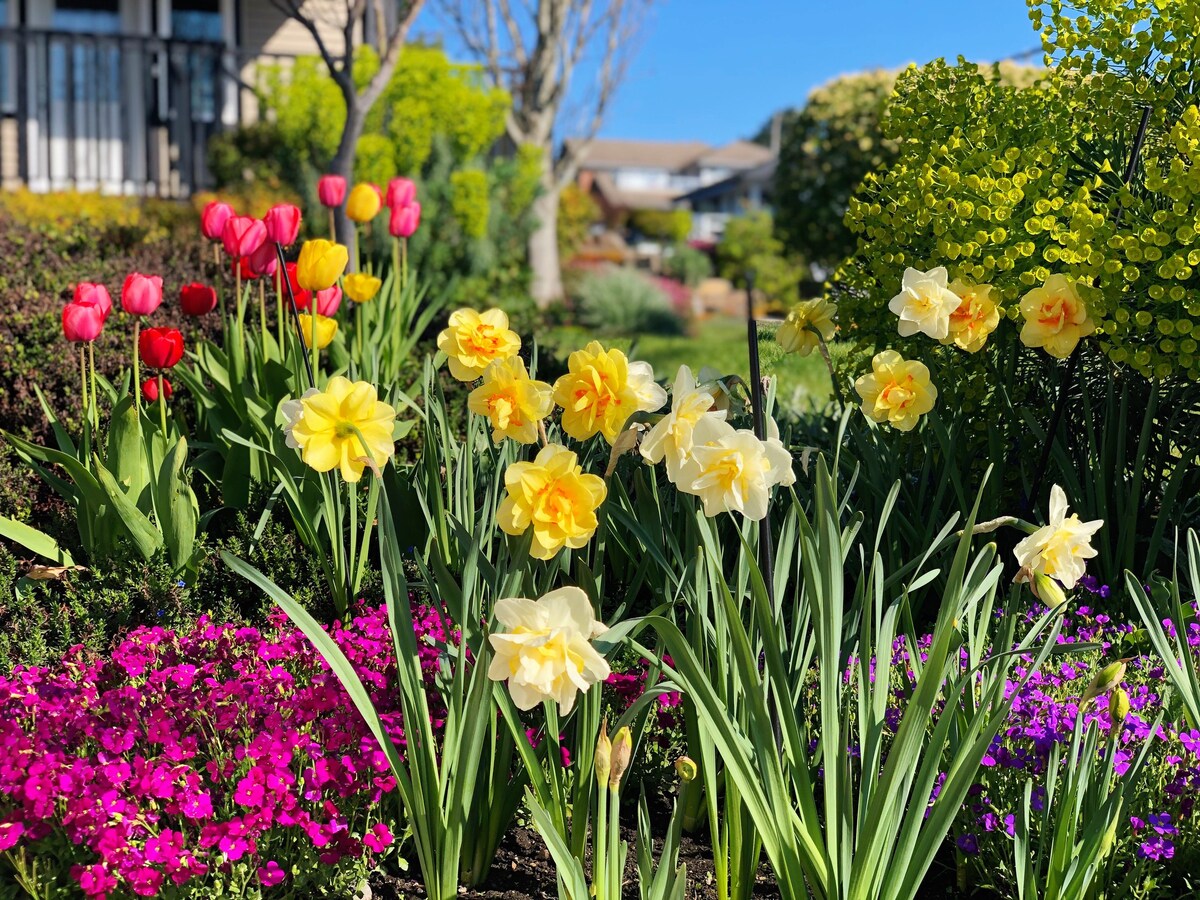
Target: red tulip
[
  {"x": 331, "y": 190},
  {"x": 242, "y": 267},
  {"x": 160, "y": 348},
  {"x": 213, "y": 219},
  {"x": 400, "y": 192},
  {"x": 197, "y": 299},
  {"x": 93, "y": 294},
  {"x": 243, "y": 235},
  {"x": 264, "y": 260},
  {"x": 404, "y": 220},
  {"x": 302, "y": 296},
  {"x": 150, "y": 389},
  {"x": 328, "y": 300},
  {"x": 82, "y": 321},
  {"x": 141, "y": 294},
  {"x": 283, "y": 223}
]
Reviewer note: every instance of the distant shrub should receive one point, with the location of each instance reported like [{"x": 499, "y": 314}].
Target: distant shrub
[
  {"x": 687, "y": 264},
  {"x": 670, "y": 225},
  {"x": 625, "y": 302}
]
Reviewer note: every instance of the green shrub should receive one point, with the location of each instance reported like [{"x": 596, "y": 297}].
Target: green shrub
[
  {"x": 625, "y": 302},
  {"x": 670, "y": 225},
  {"x": 687, "y": 264}
]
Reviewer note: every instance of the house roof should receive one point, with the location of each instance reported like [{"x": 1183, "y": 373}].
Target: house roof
[
  {"x": 762, "y": 175},
  {"x": 736, "y": 155},
  {"x": 624, "y": 199},
  {"x": 613, "y": 154}
]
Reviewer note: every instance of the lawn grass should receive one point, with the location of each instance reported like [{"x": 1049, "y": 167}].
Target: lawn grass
[{"x": 719, "y": 343}]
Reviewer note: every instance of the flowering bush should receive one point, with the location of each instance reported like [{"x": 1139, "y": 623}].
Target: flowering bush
[{"x": 212, "y": 760}]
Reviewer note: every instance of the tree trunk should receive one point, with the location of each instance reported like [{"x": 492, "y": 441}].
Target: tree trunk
[
  {"x": 543, "y": 248},
  {"x": 343, "y": 161}
]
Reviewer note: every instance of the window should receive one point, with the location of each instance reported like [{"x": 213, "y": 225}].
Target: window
[{"x": 199, "y": 21}]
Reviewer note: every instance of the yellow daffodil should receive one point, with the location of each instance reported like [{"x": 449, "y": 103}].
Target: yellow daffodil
[
  {"x": 596, "y": 394},
  {"x": 896, "y": 391},
  {"x": 808, "y": 323},
  {"x": 364, "y": 203},
  {"x": 671, "y": 437},
  {"x": 545, "y": 650},
  {"x": 555, "y": 498},
  {"x": 512, "y": 401},
  {"x": 1060, "y": 547},
  {"x": 473, "y": 340},
  {"x": 976, "y": 317},
  {"x": 924, "y": 303},
  {"x": 320, "y": 264},
  {"x": 326, "y": 328},
  {"x": 1056, "y": 317},
  {"x": 345, "y": 426},
  {"x": 735, "y": 471},
  {"x": 361, "y": 287}
]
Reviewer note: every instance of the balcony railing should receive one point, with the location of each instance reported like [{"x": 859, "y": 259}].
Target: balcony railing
[{"x": 116, "y": 113}]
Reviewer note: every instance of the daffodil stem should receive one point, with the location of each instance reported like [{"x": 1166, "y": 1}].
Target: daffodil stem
[
  {"x": 137, "y": 373},
  {"x": 600, "y": 836},
  {"x": 352, "y": 570},
  {"x": 837, "y": 388},
  {"x": 162, "y": 405},
  {"x": 612, "y": 839},
  {"x": 766, "y": 538}
]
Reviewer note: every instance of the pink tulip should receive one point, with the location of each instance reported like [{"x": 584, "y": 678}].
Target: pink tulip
[
  {"x": 400, "y": 192},
  {"x": 331, "y": 190},
  {"x": 404, "y": 220},
  {"x": 328, "y": 300},
  {"x": 283, "y": 223},
  {"x": 243, "y": 235},
  {"x": 82, "y": 321},
  {"x": 141, "y": 294},
  {"x": 213, "y": 219},
  {"x": 264, "y": 260},
  {"x": 93, "y": 294}
]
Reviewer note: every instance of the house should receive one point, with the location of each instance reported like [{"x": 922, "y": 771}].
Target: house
[
  {"x": 714, "y": 204},
  {"x": 624, "y": 176},
  {"x": 121, "y": 96}
]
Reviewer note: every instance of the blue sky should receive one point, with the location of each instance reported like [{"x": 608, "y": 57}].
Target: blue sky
[{"x": 714, "y": 70}]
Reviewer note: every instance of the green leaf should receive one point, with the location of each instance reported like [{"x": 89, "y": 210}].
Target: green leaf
[
  {"x": 178, "y": 510},
  {"x": 34, "y": 541},
  {"x": 146, "y": 538},
  {"x": 126, "y": 456}
]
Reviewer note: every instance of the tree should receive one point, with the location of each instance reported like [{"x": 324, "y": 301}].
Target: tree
[
  {"x": 392, "y": 31},
  {"x": 534, "y": 51}
]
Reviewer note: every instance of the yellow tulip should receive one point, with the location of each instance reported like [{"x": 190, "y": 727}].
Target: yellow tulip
[
  {"x": 326, "y": 328},
  {"x": 808, "y": 323},
  {"x": 1056, "y": 317},
  {"x": 896, "y": 391},
  {"x": 512, "y": 401},
  {"x": 364, "y": 203},
  {"x": 472, "y": 341},
  {"x": 360, "y": 287},
  {"x": 545, "y": 651},
  {"x": 597, "y": 393},
  {"x": 976, "y": 317},
  {"x": 555, "y": 498},
  {"x": 345, "y": 426},
  {"x": 320, "y": 265}
]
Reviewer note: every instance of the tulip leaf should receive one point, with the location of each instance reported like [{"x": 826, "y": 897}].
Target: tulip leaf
[
  {"x": 145, "y": 536},
  {"x": 34, "y": 541},
  {"x": 177, "y": 506},
  {"x": 127, "y": 452}
]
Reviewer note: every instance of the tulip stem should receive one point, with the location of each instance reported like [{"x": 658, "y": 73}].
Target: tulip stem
[
  {"x": 316, "y": 350},
  {"x": 312, "y": 375},
  {"x": 83, "y": 378},
  {"x": 217, "y": 254},
  {"x": 137, "y": 372},
  {"x": 95, "y": 396},
  {"x": 262, "y": 314},
  {"x": 162, "y": 405},
  {"x": 279, "y": 307},
  {"x": 403, "y": 263},
  {"x": 358, "y": 330},
  {"x": 354, "y": 260},
  {"x": 332, "y": 226}
]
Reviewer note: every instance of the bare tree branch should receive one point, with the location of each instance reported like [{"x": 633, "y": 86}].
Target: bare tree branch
[{"x": 339, "y": 74}]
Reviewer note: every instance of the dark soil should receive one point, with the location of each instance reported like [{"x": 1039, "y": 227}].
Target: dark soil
[{"x": 523, "y": 870}]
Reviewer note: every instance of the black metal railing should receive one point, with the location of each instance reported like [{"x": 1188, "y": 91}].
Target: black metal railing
[{"x": 120, "y": 113}]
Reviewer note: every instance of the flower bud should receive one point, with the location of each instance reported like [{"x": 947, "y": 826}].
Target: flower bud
[
  {"x": 1118, "y": 709},
  {"x": 1105, "y": 680},
  {"x": 603, "y": 755},
  {"x": 1048, "y": 590},
  {"x": 686, "y": 769},
  {"x": 622, "y": 750}
]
